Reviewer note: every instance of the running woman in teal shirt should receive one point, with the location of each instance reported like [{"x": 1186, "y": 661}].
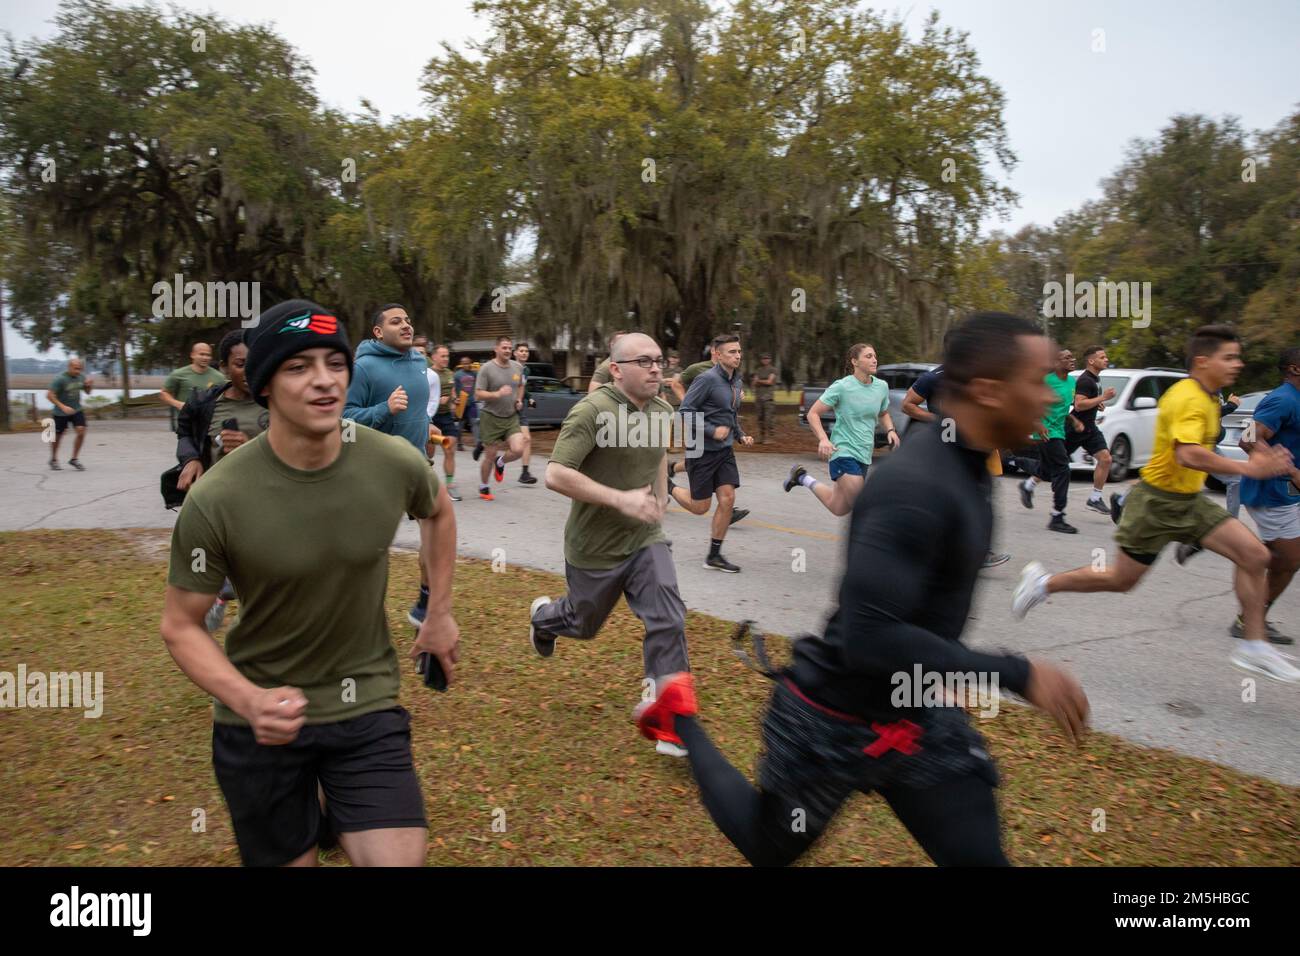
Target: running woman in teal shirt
[{"x": 858, "y": 400}]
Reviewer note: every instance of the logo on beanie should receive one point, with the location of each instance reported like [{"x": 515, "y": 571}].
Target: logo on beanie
[{"x": 309, "y": 322}]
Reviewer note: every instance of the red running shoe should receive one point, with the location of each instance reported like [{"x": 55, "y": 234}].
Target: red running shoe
[{"x": 654, "y": 718}]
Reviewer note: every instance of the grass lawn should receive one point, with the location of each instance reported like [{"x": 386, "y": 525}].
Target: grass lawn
[{"x": 550, "y": 743}]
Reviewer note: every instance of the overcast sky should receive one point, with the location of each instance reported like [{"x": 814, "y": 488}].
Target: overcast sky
[{"x": 1070, "y": 110}]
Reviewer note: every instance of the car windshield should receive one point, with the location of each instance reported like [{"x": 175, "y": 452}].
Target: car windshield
[{"x": 1117, "y": 382}]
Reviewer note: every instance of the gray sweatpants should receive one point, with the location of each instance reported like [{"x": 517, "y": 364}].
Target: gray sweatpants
[{"x": 648, "y": 579}]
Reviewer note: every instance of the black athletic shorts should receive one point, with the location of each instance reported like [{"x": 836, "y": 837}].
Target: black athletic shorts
[
  {"x": 1090, "y": 440},
  {"x": 814, "y": 757},
  {"x": 61, "y": 422},
  {"x": 447, "y": 424},
  {"x": 710, "y": 471},
  {"x": 363, "y": 764}
]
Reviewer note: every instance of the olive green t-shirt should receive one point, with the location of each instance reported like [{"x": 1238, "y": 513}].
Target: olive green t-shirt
[
  {"x": 447, "y": 389},
  {"x": 602, "y": 375},
  {"x": 250, "y": 416},
  {"x": 184, "y": 381},
  {"x": 307, "y": 552},
  {"x": 762, "y": 392},
  {"x": 608, "y": 440},
  {"x": 689, "y": 373}
]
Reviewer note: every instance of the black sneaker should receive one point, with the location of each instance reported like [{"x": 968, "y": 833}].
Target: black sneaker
[
  {"x": 75, "y": 463},
  {"x": 543, "y": 643},
  {"x": 1058, "y": 524},
  {"x": 1238, "y": 630},
  {"x": 1026, "y": 495},
  {"x": 478, "y": 451},
  {"x": 1099, "y": 506},
  {"x": 527, "y": 479},
  {"x": 796, "y": 475},
  {"x": 1116, "y": 507},
  {"x": 717, "y": 562},
  {"x": 738, "y": 514},
  {"x": 54, "y": 465},
  {"x": 1185, "y": 552}
]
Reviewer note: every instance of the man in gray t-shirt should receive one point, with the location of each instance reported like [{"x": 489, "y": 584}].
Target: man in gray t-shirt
[{"x": 499, "y": 390}]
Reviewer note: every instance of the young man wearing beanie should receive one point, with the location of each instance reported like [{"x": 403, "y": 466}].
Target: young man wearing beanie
[
  {"x": 306, "y": 688},
  {"x": 390, "y": 393}
]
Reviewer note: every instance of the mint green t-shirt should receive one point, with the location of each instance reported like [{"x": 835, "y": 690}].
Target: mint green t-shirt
[
  {"x": 857, "y": 409},
  {"x": 1054, "y": 420}
]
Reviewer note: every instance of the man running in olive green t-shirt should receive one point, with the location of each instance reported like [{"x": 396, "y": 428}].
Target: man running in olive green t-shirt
[
  {"x": 609, "y": 460},
  {"x": 301, "y": 519},
  {"x": 187, "y": 379},
  {"x": 64, "y": 394},
  {"x": 499, "y": 390}
]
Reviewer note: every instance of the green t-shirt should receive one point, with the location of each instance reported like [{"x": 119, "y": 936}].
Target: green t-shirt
[
  {"x": 765, "y": 392},
  {"x": 67, "y": 389},
  {"x": 602, "y": 375},
  {"x": 183, "y": 382},
  {"x": 252, "y": 418},
  {"x": 307, "y": 552},
  {"x": 857, "y": 408},
  {"x": 447, "y": 389},
  {"x": 491, "y": 377},
  {"x": 609, "y": 441},
  {"x": 689, "y": 373},
  {"x": 1054, "y": 420}
]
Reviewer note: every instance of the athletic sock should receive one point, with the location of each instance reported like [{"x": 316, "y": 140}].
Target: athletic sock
[
  {"x": 424, "y": 596},
  {"x": 715, "y": 547},
  {"x": 1057, "y": 514},
  {"x": 1095, "y": 496},
  {"x": 501, "y": 461},
  {"x": 807, "y": 481},
  {"x": 449, "y": 479}
]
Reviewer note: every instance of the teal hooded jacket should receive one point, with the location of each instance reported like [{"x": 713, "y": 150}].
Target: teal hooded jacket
[{"x": 376, "y": 371}]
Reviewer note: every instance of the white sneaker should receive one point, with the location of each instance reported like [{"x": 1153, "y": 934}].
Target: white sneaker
[
  {"x": 669, "y": 749},
  {"x": 1262, "y": 658},
  {"x": 1031, "y": 591},
  {"x": 544, "y": 645}
]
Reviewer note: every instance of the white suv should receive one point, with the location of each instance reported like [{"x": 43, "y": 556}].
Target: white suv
[{"x": 1129, "y": 419}]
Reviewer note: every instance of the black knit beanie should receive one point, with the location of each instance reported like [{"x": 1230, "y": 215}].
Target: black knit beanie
[{"x": 284, "y": 330}]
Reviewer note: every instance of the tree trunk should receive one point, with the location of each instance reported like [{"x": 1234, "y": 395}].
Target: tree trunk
[
  {"x": 121, "y": 354},
  {"x": 4, "y": 371}
]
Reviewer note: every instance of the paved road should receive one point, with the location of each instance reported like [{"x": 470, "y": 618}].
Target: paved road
[{"x": 1154, "y": 662}]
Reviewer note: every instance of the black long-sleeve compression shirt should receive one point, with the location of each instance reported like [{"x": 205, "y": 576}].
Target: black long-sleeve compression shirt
[{"x": 918, "y": 536}]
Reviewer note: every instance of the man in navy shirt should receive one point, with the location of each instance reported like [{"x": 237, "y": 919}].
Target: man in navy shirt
[{"x": 1274, "y": 504}]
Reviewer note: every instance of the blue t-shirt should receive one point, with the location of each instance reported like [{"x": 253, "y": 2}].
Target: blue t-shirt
[
  {"x": 926, "y": 386},
  {"x": 1280, "y": 411}
]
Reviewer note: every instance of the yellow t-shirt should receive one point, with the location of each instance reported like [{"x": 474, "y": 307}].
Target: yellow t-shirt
[{"x": 1189, "y": 414}]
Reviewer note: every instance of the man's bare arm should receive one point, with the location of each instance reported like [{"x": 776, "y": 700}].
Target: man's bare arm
[
  {"x": 199, "y": 656},
  {"x": 912, "y": 407}
]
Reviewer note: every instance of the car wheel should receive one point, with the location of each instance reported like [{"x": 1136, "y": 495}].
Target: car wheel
[{"x": 1121, "y": 458}]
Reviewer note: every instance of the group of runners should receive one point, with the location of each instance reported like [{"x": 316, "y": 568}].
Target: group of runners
[{"x": 337, "y": 448}]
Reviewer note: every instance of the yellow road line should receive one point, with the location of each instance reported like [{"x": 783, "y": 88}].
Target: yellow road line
[{"x": 803, "y": 532}]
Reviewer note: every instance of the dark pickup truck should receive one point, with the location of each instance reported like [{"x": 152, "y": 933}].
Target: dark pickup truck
[{"x": 899, "y": 377}]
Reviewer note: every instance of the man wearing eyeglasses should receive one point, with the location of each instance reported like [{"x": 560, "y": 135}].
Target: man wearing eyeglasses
[
  {"x": 609, "y": 459},
  {"x": 715, "y": 395}
]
